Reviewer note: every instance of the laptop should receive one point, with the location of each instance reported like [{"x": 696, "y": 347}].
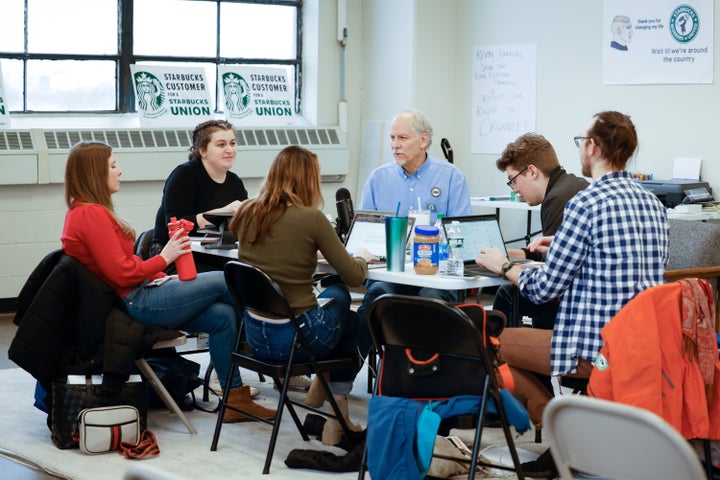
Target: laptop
[
  {"x": 478, "y": 231},
  {"x": 368, "y": 230}
]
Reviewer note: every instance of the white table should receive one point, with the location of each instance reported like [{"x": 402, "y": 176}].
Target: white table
[
  {"x": 408, "y": 277},
  {"x": 486, "y": 202}
]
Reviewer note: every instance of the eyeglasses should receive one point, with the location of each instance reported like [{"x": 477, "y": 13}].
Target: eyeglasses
[
  {"x": 578, "y": 139},
  {"x": 511, "y": 183}
]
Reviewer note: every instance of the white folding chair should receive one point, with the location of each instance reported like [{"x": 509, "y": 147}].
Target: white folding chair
[{"x": 599, "y": 439}]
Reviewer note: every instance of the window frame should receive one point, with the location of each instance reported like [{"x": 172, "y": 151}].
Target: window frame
[{"x": 124, "y": 90}]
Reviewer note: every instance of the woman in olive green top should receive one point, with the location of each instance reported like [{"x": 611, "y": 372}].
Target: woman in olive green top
[{"x": 281, "y": 232}]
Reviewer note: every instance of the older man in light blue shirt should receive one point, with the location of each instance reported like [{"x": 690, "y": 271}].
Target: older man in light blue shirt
[{"x": 440, "y": 187}]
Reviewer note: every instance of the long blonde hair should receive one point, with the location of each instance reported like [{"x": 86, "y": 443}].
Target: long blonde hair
[
  {"x": 86, "y": 179},
  {"x": 293, "y": 179}
]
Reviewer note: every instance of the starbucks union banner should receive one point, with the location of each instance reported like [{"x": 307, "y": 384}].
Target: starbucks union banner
[
  {"x": 171, "y": 96},
  {"x": 256, "y": 95}
]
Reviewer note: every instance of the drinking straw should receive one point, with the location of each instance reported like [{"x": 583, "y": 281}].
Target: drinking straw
[
  {"x": 419, "y": 204},
  {"x": 397, "y": 210}
]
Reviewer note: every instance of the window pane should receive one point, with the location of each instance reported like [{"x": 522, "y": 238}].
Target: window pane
[
  {"x": 12, "y": 72},
  {"x": 210, "y": 74},
  {"x": 73, "y": 26},
  {"x": 175, "y": 28},
  {"x": 13, "y": 26},
  {"x": 257, "y": 31},
  {"x": 64, "y": 85}
]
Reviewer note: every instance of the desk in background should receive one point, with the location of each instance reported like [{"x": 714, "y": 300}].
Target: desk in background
[{"x": 509, "y": 205}]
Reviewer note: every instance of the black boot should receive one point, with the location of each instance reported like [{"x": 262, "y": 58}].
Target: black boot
[{"x": 542, "y": 467}]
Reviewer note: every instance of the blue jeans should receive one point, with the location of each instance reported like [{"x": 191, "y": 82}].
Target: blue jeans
[
  {"x": 375, "y": 288},
  {"x": 333, "y": 329},
  {"x": 200, "y": 305}
]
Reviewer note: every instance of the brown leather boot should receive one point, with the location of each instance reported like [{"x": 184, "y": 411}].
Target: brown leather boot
[
  {"x": 315, "y": 397},
  {"x": 240, "y": 398},
  {"x": 332, "y": 430}
]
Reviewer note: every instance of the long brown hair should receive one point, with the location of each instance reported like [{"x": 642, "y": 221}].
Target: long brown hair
[
  {"x": 86, "y": 179},
  {"x": 293, "y": 179}
]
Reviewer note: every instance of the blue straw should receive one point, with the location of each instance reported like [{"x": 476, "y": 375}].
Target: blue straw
[{"x": 397, "y": 210}]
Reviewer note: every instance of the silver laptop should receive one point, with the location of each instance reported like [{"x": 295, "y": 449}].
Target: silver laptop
[
  {"x": 477, "y": 231},
  {"x": 368, "y": 230}
]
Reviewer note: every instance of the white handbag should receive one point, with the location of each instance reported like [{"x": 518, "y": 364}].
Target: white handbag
[{"x": 103, "y": 429}]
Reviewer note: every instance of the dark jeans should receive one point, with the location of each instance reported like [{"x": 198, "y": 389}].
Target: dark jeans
[
  {"x": 332, "y": 329},
  {"x": 543, "y": 315},
  {"x": 376, "y": 288}
]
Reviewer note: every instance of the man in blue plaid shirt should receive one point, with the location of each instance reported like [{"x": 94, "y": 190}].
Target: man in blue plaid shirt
[{"x": 611, "y": 245}]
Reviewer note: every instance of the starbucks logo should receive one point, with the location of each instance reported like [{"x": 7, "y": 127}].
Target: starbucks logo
[
  {"x": 150, "y": 94},
  {"x": 684, "y": 23},
  {"x": 237, "y": 95}
]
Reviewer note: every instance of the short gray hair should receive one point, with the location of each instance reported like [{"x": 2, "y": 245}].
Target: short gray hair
[{"x": 421, "y": 123}]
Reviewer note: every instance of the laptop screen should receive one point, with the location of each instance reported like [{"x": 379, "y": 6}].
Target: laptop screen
[
  {"x": 478, "y": 231},
  {"x": 368, "y": 230}
]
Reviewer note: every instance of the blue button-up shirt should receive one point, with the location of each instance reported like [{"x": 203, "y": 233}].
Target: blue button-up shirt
[
  {"x": 441, "y": 186},
  {"x": 611, "y": 245}
]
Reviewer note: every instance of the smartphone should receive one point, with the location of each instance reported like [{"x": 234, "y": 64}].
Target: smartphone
[{"x": 158, "y": 281}]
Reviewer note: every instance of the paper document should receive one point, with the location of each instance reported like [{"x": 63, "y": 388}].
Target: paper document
[{"x": 687, "y": 168}]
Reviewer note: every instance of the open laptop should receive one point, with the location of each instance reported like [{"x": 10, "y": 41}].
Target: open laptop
[
  {"x": 368, "y": 230},
  {"x": 478, "y": 231}
]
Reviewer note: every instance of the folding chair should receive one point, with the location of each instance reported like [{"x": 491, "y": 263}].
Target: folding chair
[
  {"x": 256, "y": 292},
  {"x": 430, "y": 349},
  {"x": 592, "y": 438}
]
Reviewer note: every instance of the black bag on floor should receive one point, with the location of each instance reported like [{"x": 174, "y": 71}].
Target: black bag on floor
[
  {"x": 69, "y": 399},
  {"x": 179, "y": 375}
]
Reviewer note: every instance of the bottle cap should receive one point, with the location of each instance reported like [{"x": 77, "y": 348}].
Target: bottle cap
[{"x": 429, "y": 230}]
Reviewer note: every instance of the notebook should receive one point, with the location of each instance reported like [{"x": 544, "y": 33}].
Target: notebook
[
  {"x": 368, "y": 230},
  {"x": 478, "y": 231}
]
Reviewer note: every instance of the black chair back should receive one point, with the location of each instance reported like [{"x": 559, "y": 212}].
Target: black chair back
[
  {"x": 254, "y": 290},
  {"x": 433, "y": 350},
  {"x": 423, "y": 323},
  {"x": 143, "y": 243}
]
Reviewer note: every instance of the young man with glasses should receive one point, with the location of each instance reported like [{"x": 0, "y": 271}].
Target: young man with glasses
[
  {"x": 534, "y": 172},
  {"x": 611, "y": 245}
]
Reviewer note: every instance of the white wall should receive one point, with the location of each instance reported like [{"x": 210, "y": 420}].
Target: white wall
[
  {"x": 417, "y": 53},
  {"x": 433, "y": 39}
]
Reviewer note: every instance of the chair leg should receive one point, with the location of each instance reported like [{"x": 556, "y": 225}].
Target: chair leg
[
  {"x": 221, "y": 410},
  {"x": 372, "y": 368},
  {"x": 162, "y": 392},
  {"x": 708, "y": 459},
  {"x": 206, "y": 382},
  {"x": 363, "y": 464}
]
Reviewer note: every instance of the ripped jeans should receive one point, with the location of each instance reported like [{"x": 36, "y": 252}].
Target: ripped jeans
[{"x": 332, "y": 329}]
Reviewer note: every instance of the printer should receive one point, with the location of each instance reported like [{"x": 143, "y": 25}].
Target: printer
[{"x": 673, "y": 192}]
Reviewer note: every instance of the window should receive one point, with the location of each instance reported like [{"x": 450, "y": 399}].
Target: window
[{"x": 55, "y": 60}]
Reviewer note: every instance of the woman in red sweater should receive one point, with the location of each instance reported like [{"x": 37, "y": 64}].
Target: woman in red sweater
[{"x": 97, "y": 237}]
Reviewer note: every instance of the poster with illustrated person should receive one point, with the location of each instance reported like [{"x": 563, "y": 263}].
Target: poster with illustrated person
[{"x": 657, "y": 41}]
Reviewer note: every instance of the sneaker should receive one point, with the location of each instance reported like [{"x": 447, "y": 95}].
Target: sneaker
[
  {"x": 254, "y": 392},
  {"x": 301, "y": 383},
  {"x": 542, "y": 467}
]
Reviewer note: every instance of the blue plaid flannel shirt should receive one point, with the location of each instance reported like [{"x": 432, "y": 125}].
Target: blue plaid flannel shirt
[{"x": 611, "y": 245}]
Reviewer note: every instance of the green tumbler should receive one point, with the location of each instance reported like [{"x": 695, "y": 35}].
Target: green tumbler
[{"x": 395, "y": 238}]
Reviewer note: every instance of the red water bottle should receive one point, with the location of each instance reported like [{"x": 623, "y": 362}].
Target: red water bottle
[{"x": 185, "y": 263}]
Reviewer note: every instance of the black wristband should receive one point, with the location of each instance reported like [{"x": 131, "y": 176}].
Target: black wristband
[{"x": 506, "y": 267}]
